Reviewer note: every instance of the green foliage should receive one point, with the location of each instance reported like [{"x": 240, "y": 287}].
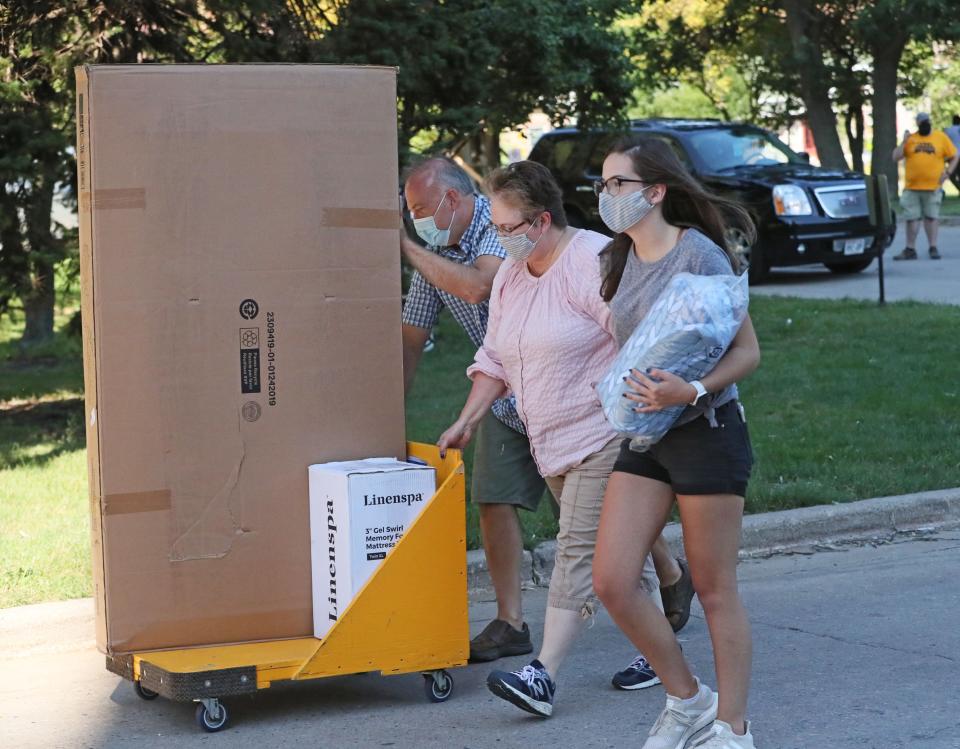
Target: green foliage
[
  {"x": 739, "y": 55},
  {"x": 467, "y": 70},
  {"x": 682, "y": 100},
  {"x": 43, "y": 41},
  {"x": 480, "y": 66},
  {"x": 732, "y": 52},
  {"x": 943, "y": 85}
]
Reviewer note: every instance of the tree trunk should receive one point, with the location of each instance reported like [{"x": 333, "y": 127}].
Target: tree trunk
[
  {"x": 40, "y": 296},
  {"x": 489, "y": 149},
  {"x": 38, "y": 308},
  {"x": 853, "y": 123},
  {"x": 886, "y": 62},
  {"x": 814, "y": 82}
]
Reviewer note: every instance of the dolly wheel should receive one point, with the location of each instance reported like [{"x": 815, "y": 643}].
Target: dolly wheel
[
  {"x": 211, "y": 715},
  {"x": 142, "y": 692},
  {"x": 438, "y": 686}
]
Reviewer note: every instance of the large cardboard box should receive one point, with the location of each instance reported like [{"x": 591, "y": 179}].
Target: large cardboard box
[
  {"x": 241, "y": 310},
  {"x": 359, "y": 510}
]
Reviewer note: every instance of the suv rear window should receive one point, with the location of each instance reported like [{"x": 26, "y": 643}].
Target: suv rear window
[
  {"x": 563, "y": 154},
  {"x": 723, "y": 149},
  {"x": 605, "y": 143}
]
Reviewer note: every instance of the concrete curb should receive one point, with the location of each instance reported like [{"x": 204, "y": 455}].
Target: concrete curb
[
  {"x": 943, "y": 220},
  {"x": 785, "y": 531}
]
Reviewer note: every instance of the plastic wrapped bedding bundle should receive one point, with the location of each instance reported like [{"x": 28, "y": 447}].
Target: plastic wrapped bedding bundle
[{"x": 686, "y": 332}]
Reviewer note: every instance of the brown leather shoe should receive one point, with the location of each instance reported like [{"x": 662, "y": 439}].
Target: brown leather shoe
[
  {"x": 908, "y": 254},
  {"x": 677, "y": 598},
  {"x": 498, "y": 640}
]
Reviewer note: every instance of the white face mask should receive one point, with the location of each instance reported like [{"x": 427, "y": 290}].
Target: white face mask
[
  {"x": 519, "y": 246},
  {"x": 428, "y": 231},
  {"x": 621, "y": 212}
]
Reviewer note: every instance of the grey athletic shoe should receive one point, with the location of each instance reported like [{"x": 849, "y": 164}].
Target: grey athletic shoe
[{"x": 679, "y": 726}]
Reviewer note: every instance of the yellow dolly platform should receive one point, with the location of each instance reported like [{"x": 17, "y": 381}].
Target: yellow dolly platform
[{"x": 411, "y": 616}]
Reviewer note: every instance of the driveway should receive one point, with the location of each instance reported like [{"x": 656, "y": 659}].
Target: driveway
[{"x": 922, "y": 280}]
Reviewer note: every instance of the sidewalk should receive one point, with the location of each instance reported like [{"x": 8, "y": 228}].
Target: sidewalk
[
  {"x": 802, "y": 530},
  {"x": 854, "y": 649}
]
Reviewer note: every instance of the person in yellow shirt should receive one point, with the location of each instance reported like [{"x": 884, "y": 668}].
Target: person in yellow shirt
[{"x": 925, "y": 153}]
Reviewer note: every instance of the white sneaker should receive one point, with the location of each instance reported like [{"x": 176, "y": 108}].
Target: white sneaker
[
  {"x": 721, "y": 736},
  {"x": 678, "y": 724}
]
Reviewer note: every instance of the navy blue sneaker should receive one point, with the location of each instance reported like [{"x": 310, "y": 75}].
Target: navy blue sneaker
[
  {"x": 638, "y": 675},
  {"x": 530, "y": 688}
]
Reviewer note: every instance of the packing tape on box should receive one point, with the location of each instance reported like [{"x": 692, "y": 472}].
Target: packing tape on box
[
  {"x": 112, "y": 200},
  {"x": 361, "y": 218},
  {"x": 126, "y": 504}
]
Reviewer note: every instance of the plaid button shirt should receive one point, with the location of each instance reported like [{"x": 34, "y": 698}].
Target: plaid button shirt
[{"x": 425, "y": 301}]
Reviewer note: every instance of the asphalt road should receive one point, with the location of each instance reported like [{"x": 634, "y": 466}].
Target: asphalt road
[
  {"x": 922, "y": 280},
  {"x": 856, "y": 648}
]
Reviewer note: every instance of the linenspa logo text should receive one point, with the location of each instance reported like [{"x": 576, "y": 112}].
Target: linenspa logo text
[
  {"x": 391, "y": 499},
  {"x": 332, "y": 558}
]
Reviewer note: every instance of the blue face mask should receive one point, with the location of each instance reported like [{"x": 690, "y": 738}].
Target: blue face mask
[{"x": 428, "y": 231}]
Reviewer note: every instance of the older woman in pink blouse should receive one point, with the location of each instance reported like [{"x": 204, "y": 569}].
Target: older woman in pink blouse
[{"x": 549, "y": 340}]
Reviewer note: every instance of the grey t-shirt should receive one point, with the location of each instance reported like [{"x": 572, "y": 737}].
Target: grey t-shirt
[{"x": 643, "y": 282}]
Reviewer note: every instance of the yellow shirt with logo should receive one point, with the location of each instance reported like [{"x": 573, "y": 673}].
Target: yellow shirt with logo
[{"x": 925, "y": 157}]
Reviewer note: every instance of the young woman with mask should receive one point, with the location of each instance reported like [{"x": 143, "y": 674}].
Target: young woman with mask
[
  {"x": 665, "y": 223},
  {"x": 549, "y": 340}
]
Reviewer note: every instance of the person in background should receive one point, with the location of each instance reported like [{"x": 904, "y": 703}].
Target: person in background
[{"x": 930, "y": 158}]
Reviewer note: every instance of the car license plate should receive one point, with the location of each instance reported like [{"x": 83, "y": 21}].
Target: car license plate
[{"x": 854, "y": 246}]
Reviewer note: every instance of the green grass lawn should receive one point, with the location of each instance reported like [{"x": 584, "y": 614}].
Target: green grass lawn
[
  {"x": 851, "y": 401},
  {"x": 950, "y": 208},
  {"x": 44, "y": 525}
]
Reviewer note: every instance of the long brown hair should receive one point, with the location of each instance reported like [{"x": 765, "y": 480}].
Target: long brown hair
[{"x": 686, "y": 204}]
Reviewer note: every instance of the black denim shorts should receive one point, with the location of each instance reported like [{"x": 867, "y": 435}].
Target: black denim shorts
[{"x": 697, "y": 458}]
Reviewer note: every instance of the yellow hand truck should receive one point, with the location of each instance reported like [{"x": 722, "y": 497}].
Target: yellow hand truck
[{"x": 410, "y": 616}]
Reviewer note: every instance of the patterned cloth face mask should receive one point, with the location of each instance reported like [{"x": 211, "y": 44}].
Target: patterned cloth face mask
[
  {"x": 620, "y": 212},
  {"x": 519, "y": 246}
]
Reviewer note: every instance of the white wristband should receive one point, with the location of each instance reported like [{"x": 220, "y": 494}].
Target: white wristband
[{"x": 701, "y": 391}]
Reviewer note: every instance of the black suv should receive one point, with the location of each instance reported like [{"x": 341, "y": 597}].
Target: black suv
[{"x": 804, "y": 214}]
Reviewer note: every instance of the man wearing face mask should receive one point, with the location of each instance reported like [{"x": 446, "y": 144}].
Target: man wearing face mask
[
  {"x": 925, "y": 153},
  {"x": 456, "y": 271}
]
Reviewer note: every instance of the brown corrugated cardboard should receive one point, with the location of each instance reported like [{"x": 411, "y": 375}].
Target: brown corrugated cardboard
[{"x": 241, "y": 308}]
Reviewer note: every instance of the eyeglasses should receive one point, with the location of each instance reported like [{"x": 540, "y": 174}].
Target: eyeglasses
[
  {"x": 503, "y": 230},
  {"x": 612, "y": 185}
]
